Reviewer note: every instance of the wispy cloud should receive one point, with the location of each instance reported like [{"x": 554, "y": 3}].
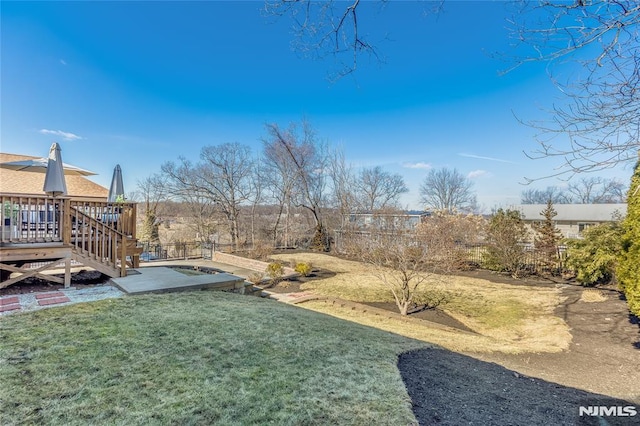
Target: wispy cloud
[
  {"x": 63, "y": 62},
  {"x": 64, "y": 135},
  {"x": 480, "y": 157},
  {"x": 474, "y": 174},
  {"x": 418, "y": 165}
]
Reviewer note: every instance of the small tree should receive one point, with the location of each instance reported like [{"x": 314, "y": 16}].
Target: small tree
[
  {"x": 405, "y": 262},
  {"x": 547, "y": 238},
  {"x": 505, "y": 236},
  {"x": 629, "y": 263},
  {"x": 275, "y": 270},
  {"x": 303, "y": 268},
  {"x": 595, "y": 256}
]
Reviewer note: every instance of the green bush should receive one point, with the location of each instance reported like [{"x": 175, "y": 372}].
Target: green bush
[
  {"x": 303, "y": 268},
  {"x": 505, "y": 250},
  {"x": 628, "y": 270},
  {"x": 275, "y": 270},
  {"x": 594, "y": 258}
]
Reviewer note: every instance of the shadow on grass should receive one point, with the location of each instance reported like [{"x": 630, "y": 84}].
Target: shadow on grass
[{"x": 447, "y": 388}]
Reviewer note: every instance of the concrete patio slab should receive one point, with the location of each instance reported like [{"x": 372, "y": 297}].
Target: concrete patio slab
[
  {"x": 223, "y": 267},
  {"x": 162, "y": 279}
]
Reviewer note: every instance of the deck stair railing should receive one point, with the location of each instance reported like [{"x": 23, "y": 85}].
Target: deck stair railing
[
  {"x": 101, "y": 234},
  {"x": 97, "y": 242}
]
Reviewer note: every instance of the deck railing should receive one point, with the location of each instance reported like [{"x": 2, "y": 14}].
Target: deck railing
[
  {"x": 99, "y": 231},
  {"x": 38, "y": 218},
  {"x": 31, "y": 219}
]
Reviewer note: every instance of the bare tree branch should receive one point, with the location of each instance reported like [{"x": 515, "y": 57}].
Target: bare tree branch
[
  {"x": 328, "y": 29},
  {"x": 601, "y": 115}
]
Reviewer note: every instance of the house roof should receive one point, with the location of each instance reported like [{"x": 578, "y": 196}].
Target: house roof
[
  {"x": 24, "y": 182},
  {"x": 575, "y": 212}
]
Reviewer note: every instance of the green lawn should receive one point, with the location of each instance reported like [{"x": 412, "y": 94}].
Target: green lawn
[{"x": 197, "y": 358}]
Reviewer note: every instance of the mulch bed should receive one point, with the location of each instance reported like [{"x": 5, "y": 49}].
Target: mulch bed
[
  {"x": 447, "y": 388},
  {"x": 80, "y": 279}
]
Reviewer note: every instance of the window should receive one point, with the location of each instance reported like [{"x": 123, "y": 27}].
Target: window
[{"x": 583, "y": 225}]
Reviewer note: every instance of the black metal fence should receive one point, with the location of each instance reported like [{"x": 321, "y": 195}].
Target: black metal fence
[
  {"x": 192, "y": 250},
  {"x": 476, "y": 255},
  {"x": 531, "y": 259}
]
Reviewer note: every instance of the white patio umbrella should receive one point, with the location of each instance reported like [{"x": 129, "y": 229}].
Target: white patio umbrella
[
  {"x": 116, "y": 190},
  {"x": 40, "y": 165},
  {"x": 54, "y": 183}
]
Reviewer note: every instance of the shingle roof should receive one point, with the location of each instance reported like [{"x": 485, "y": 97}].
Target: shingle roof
[
  {"x": 23, "y": 182},
  {"x": 575, "y": 212}
]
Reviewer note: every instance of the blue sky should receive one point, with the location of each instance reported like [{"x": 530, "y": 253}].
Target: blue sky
[{"x": 141, "y": 83}]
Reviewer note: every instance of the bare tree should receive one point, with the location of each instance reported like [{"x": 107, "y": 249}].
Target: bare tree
[
  {"x": 596, "y": 190},
  {"x": 152, "y": 191},
  {"x": 307, "y": 158},
  {"x": 591, "y": 190},
  {"x": 280, "y": 175},
  {"x": 343, "y": 185},
  {"x": 600, "y": 117},
  {"x": 541, "y": 196},
  {"x": 223, "y": 176},
  {"x": 203, "y": 214},
  {"x": 446, "y": 189},
  {"x": 410, "y": 265},
  {"x": 258, "y": 195},
  {"x": 378, "y": 189}
]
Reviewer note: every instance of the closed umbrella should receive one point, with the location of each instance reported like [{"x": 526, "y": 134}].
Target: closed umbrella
[
  {"x": 54, "y": 183},
  {"x": 116, "y": 190}
]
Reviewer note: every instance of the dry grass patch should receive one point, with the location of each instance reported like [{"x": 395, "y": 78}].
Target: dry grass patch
[
  {"x": 508, "y": 318},
  {"x": 592, "y": 295}
]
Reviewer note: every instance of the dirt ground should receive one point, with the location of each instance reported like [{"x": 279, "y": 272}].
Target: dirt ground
[{"x": 601, "y": 368}]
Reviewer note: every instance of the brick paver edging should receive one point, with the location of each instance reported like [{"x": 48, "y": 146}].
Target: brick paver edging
[
  {"x": 52, "y": 298},
  {"x": 10, "y": 303}
]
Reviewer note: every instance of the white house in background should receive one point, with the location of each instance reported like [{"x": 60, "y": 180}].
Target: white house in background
[
  {"x": 365, "y": 221},
  {"x": 572, "y": 219}
]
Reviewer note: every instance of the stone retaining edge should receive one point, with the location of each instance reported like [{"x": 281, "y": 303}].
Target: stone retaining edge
[{"x": 243, "y": 262}]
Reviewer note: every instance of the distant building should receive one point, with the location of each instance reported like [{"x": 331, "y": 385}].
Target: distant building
[
  {"x": 572, "y": 219},
  {"x": 31, "y": 183},
  {"x": 365, "y": 221}
]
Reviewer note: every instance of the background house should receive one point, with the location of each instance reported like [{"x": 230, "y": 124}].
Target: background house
[
  {"x": 25, "y": 182},
  {"x": 572, "y": 219},
  {"x": 363, "y": 221}
]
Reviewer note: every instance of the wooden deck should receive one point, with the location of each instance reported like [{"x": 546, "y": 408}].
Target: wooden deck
[{"x": 41, "y": 229}]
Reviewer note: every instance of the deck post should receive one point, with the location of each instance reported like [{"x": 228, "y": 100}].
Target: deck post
[
  {"x": 66, "y": 221},
  {"x": 67, "y": 272},
  {"x": 123, "y": 260}
]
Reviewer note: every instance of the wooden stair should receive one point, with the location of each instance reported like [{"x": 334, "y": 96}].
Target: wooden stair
[{"x": 101, "y": 246}]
